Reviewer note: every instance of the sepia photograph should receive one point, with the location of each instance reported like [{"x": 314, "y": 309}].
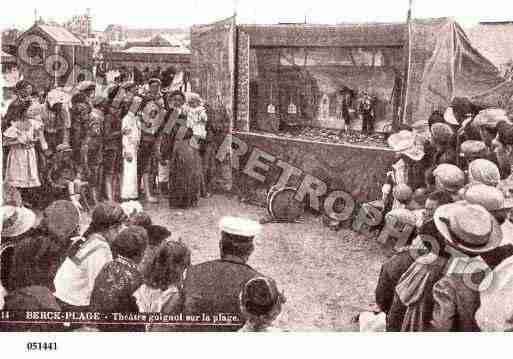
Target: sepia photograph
[{"x": 242, "y": 166}]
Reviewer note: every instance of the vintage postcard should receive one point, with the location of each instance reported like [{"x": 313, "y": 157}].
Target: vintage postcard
[{"x": 246, "y": 166}]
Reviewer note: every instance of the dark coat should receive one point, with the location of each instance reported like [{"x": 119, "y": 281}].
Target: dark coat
[
  {"x": 412, "y": 307},
  {"x": 391, "y": 272},
  {"x": 113, "y": 293},
  {"x": 456, "y": 303},
  {"x": 213, "y": 288}
]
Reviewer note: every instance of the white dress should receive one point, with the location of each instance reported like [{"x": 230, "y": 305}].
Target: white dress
[
  {"x": 21, "y": 168},
  {"x": 129, "y": 185},
  {"x": 151, "y": 300}
]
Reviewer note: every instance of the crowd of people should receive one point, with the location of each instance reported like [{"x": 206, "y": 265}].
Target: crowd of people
[
  {"x": 120, "y": 141},
  {"x": 124, "y": 263},
  {"x": 450, "y": 191},
  {"x": 448, "y": 201}
]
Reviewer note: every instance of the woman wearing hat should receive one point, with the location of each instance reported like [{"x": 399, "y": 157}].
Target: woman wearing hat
[
  {"x": 22, "y": 168},
  {"x": 16, "y": 223},
  {"x": 38, "y": 256},
  {"x": 36, "y": 259},
  {"x": 410, "y": 167},
  {"x": 261, "y": 303},
  {"x": 472, "y": 231},
  {"x": 87, "y": 255},
  {"x": 119, "y": 279},
  {"x": 180, "y": 149}
]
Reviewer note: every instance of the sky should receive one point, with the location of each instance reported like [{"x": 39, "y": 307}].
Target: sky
[{"x": 174, "y": 13}]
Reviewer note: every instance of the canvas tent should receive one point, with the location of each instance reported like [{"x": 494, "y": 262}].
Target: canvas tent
[
  {"x": 413, "y": 69},
  {"x": 443, "y": 65}
]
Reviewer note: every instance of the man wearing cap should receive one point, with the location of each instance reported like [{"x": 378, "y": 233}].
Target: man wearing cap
[
  {"x": 471, "y": 231},
  {"x": 153, "y": 113},
  {"x": 213, "y": 287}
]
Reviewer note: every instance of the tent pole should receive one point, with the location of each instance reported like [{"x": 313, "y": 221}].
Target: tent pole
[{"x": 408, "y": 65}]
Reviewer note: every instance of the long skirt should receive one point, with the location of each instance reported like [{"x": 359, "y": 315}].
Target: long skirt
[
  {"x": 129, "y": 182},
  {"x": 186, "y": 182},
  {"x": 22, "y": 167}
]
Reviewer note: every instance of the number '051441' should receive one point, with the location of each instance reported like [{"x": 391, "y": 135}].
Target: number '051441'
[{"x": 42, "y": 346}]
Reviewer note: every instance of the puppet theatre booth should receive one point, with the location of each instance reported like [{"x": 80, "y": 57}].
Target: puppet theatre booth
[
  {"x": 266, "y": 79},
  {"x": 52, "y": 56}
]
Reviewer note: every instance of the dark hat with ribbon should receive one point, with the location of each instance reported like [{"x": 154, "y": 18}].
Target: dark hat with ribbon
[
  {"x": 260, "y": 295},
  {"x": 468, "y": 227}
]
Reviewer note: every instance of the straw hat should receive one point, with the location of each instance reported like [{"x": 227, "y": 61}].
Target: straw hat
[
  {"x": 450, "y": 177},
  {"x": 490, "y": 117},
  {"x": 491, "y": 198},
  {"x": 484, "y": 171},
  {"x": 404, "y": 142},
  {"x": 472, "y": 149},
  {"x": 16, "y": 221},
  {"x": 468, "y": 227}
]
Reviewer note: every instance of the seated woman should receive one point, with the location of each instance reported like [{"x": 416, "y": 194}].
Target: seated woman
[{"x": 118, "y": 280}]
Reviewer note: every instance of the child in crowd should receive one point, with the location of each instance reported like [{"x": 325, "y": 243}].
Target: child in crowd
[
  {"x": 163, "y": 274},
  {"x": 260, "y": 303},
  {"x": 22, "y": 170}
]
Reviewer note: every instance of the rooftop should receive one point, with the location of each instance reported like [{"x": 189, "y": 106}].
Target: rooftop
[{"x": 171, "y": 50}]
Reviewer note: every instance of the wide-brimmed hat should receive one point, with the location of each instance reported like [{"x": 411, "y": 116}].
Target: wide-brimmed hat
[
  {"x": 489, "y": 197},
  {"x": 473, "y": 149},
  {"x": 484, "y": 171},
  {"x": 467, "y": 227},
  {"x": 404, "y": 142},
  {"x": 450, "y": 177},
  {"x": 62, "y": 219},
  {"x": 490, "y": 117},
  {"x": 16, "y": 221}
]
